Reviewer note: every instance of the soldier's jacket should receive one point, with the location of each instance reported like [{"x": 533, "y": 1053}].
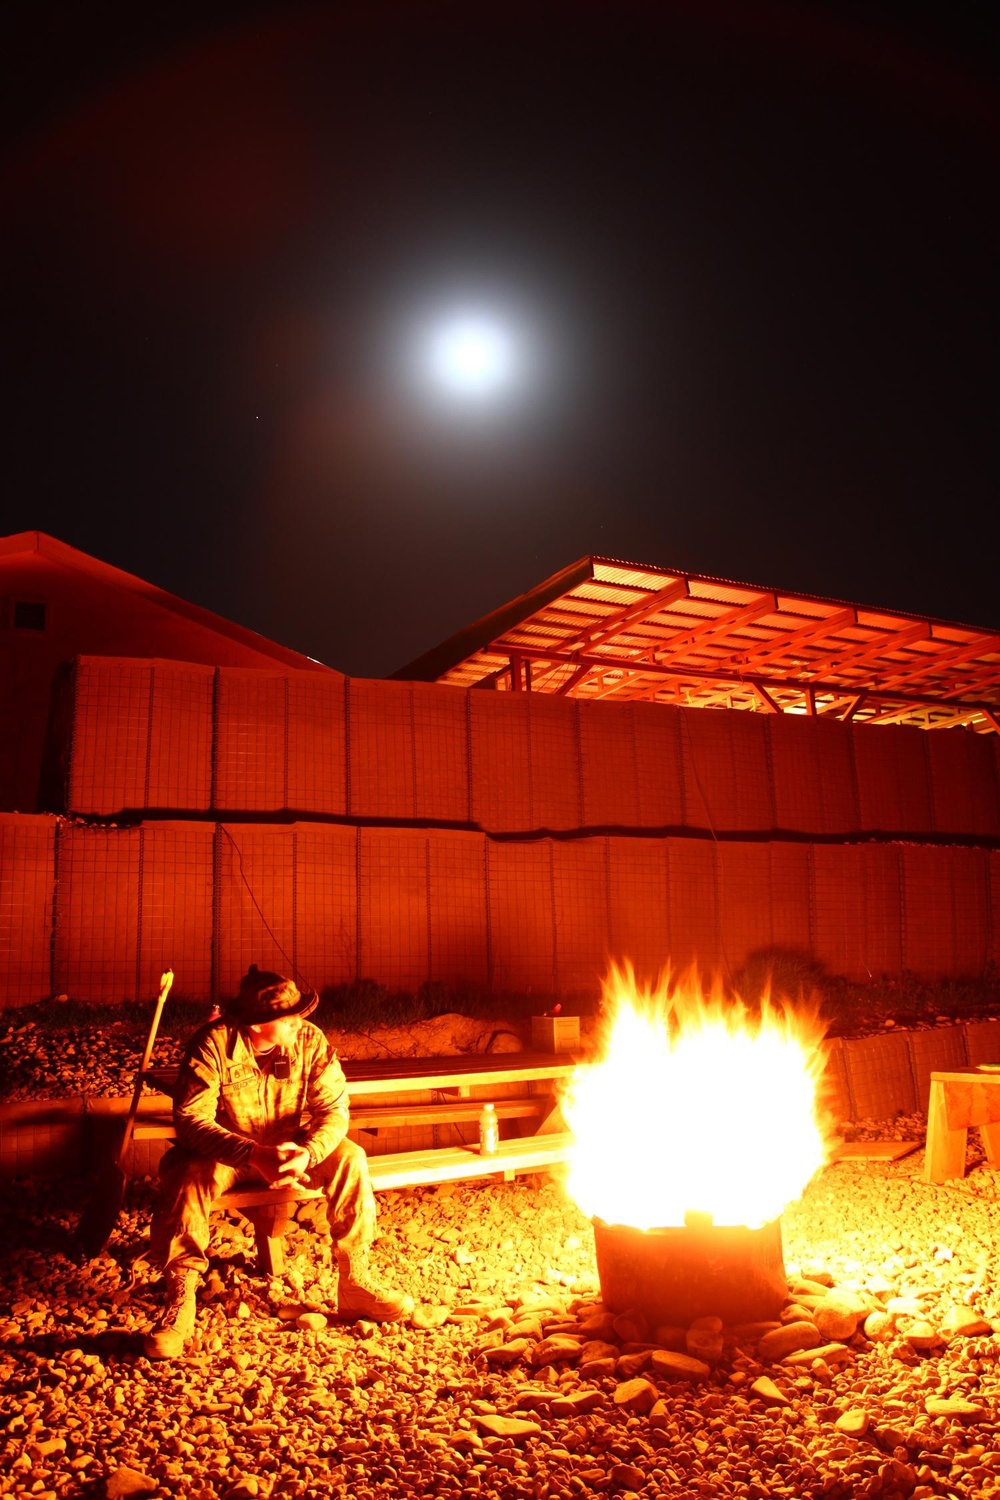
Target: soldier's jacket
[{"x": 224, "y": 1104}]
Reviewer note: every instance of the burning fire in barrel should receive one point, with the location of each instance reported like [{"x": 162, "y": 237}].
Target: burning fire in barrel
[{"x": 696, "y": 1127}]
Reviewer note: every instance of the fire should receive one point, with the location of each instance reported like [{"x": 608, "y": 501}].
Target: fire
[{"x": 698, "y": 1106}]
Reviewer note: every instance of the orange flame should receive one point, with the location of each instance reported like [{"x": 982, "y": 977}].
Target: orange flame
[{"x": 698, "y": 1105}]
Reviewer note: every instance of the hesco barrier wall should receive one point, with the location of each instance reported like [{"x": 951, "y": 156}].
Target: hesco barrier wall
[
  {"x": 410, "y": 833},
  {"x": 96, "y": 911},
  {"x": 192, "y": 740}
]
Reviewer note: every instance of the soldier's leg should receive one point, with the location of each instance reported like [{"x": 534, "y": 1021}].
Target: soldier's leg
[
  {"x": 351, "y": 1213},
  {"x": 189, "y": 1185},
  {"x": 178, "y": 1238}
]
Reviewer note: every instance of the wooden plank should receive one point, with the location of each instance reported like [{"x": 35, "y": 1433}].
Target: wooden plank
[
  {"x": 367, "y": 1077},
  {"x": 411, "y": 1168},
  {"x": 875, "y": 1150},
  {"x": 383, "y": 1116},
  {"x": 460, "y": 1077},
  {"x": 259, "y": 1196},
  {"x": 945, "y": 1157},
  {"x": 455, "y": 1163},
  {"x": 376, "y": 1116}
]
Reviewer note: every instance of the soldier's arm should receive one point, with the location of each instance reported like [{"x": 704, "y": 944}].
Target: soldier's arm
[
  {"x": 196, "y": 1102},
  {"x": 327, "y": 1102}
]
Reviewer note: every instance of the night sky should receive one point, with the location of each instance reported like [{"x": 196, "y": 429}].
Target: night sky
[{"x": 755, "y": 247}]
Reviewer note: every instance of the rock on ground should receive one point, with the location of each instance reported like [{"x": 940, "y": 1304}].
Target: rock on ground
[{"x": 284, "y": 1402}]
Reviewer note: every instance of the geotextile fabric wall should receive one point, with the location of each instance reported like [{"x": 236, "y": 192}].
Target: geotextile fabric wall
[
  {"x": 409, "y": 906},
  {"x": 409, "y": 833},
  {"x": 173, "y": 737}
]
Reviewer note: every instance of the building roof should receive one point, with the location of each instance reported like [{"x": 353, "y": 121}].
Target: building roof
[
  {"x": 68, "y": 557},
  {"x": 607, "y": 629}
]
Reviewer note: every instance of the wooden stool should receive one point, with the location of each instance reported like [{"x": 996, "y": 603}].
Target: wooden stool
[{"x": 960, "y": 1097}]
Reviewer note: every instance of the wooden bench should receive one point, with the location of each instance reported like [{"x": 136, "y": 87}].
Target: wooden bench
[
  {"x": 381, "y": 1098},
  {"x": 961, "y": 1097}
]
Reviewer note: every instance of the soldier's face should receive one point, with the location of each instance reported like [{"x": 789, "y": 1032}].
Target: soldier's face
[{"x": 283, "y": 1033}]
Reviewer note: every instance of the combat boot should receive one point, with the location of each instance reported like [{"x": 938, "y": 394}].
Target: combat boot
[
  {"x": 360, "y": 1296},
  {"x": 176, "y": 1325}
]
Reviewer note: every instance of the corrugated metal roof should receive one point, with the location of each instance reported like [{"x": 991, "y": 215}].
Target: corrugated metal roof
[{"x": 608, "y": 628}]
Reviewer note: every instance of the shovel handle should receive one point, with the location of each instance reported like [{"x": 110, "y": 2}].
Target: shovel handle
[{"x": 166, "y": 980}]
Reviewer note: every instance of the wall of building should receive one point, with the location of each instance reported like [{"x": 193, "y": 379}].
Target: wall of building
[{"x": 86, "y": 611}]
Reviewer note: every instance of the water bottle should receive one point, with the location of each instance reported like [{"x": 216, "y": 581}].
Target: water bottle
[{"x": 489, "y": 1131}]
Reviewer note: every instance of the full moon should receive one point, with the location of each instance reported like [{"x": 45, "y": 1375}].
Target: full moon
[{"x": 472, "y": 356}]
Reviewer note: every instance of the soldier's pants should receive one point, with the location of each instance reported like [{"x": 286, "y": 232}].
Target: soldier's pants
[{"x": 190, "y": 1184}]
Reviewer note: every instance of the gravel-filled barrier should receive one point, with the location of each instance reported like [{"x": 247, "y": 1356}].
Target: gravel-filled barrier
[{"x": 512, "y": 1380}]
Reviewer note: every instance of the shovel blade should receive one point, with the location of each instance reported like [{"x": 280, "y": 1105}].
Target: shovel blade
[{"x": 101, "y": 1212}]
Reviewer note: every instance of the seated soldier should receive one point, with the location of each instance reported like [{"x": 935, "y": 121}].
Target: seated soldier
[{"x": 261, "y": 1095}]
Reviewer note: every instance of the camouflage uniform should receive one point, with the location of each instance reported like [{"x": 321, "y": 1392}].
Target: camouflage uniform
[{"x": 226, "y": 1103}]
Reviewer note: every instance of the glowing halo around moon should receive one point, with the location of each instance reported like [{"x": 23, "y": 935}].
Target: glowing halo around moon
[{"x": 471, "y": 356}]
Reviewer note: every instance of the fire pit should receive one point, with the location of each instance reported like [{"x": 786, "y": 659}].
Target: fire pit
[
  {"x": 689, "y": 1271},
  {"x": 692, "y": 1133}
]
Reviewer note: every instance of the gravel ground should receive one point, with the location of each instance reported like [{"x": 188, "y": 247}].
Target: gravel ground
[{"x": 513, "y": 1381}]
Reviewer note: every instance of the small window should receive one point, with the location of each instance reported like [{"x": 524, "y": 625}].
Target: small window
[{"x": 29, "y": 614}]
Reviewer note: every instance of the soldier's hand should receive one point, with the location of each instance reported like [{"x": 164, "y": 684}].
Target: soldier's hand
[
  {"x": 269, "y": 1161},
  {"x": 295, "y": 1163}
]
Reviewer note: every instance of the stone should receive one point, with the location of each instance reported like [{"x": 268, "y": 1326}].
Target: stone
[
  {"x": 705, "y": 1343},
  {"x": 559, "y": 1347},
  {"x": 580, "y": 1402},
  {"x": 787, "y": 1339},
  {"x": 672, "y": 1366},
  {"x": 429, "y": 1315},
  {"x": 48, "y": 1449},
  {"x": 817, "y": 1276},
  {"x": 963, "y": 1323},
  {"x": 631, "y": 1364},
  {"x": 507, "y": 1354},
  {"x": 659, "y": 1416},
  {"x": 507, "y": 1427},
  {"x": 830, "y": 1354},
  {"x": 898, "y": 1477},
  {"x": 597, "y": 1349},
  {"x": 313, "y": 1321},
  {"x": 921, "y": 1335},
  {"x": 954, "y": 1407},
  {"x": 810, "y": 1286},
  {"x": 636, "y": 1395},
  {"x": 853, "y": 1423},
  {"x": 627, "y": 1477},
  {"x": 123, "y": 1483},
  {"x": 795, "y": 1313},
  {"x": 878, "y": 1326},
  {"x": 905, "y": 1307},
  {"x": 631, "y": 1327},
  {"x": 670, "y": 1336},
  {"x": 838, "y": 1315},
  {"x": 599, "y": 1325},
  {"x": 598, "y": 1369},
  {"x": 766, "y": 1391},
  {"x": 244, "y": 1488}
]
